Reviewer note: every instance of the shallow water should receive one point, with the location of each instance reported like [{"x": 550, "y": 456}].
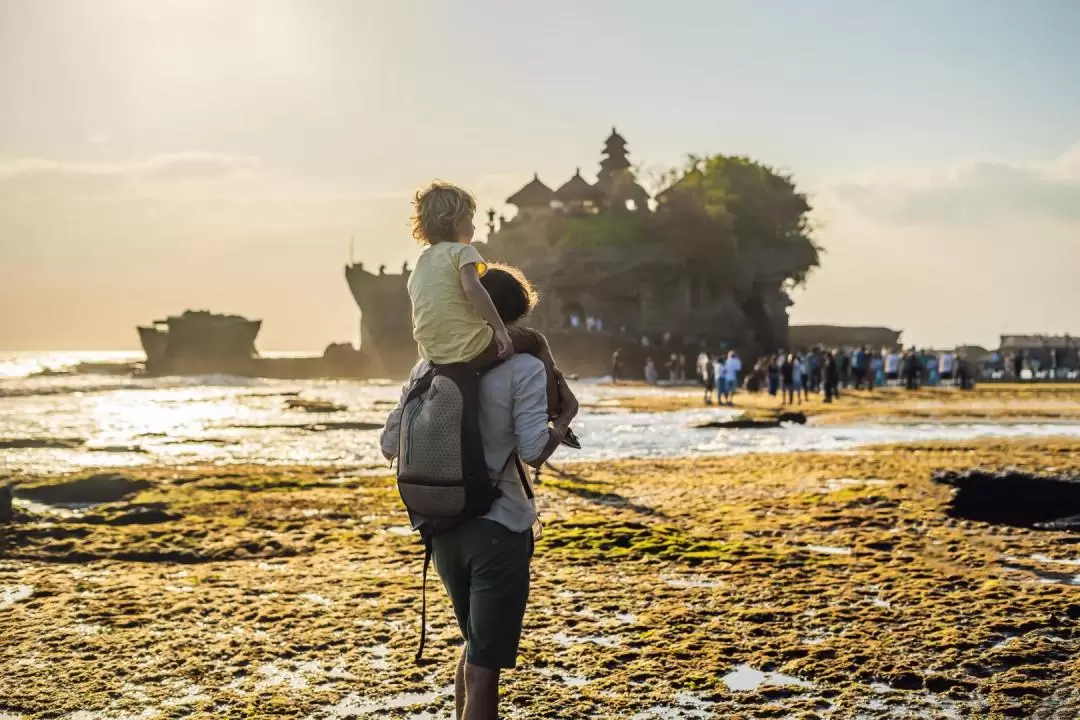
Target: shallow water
[
  {"x": 744, "y": 677},
  {"x": 102, "y": 421}
]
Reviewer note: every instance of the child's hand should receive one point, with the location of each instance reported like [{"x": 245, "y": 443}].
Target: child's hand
[{"x": 502, "y": 342}]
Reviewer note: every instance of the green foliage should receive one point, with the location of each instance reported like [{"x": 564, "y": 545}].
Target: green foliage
[
  {"x": 738, "y": 219},
  {"x": 610, "y": 229}
]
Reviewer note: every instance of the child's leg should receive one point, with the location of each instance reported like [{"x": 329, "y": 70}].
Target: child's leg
[
  {"x": 487, "y": 358},
  {"x": 529, "y": 341}
]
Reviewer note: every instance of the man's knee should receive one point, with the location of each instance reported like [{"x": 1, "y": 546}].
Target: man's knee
[{"x": 481, "y": 678}]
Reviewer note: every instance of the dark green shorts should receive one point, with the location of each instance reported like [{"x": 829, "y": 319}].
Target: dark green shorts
[{"x": 485, "y": 570}]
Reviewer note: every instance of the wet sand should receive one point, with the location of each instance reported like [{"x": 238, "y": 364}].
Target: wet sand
[
  {"x": 775, "y": 586},
  {"x": 996, "y": 403}
]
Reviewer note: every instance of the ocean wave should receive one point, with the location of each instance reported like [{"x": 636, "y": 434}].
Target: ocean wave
[{"x": 71, "y": 384}]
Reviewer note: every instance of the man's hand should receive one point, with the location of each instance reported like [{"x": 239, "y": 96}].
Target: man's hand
[{"x": 503, "y": 343}]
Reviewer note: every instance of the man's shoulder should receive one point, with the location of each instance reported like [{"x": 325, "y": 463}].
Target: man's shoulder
[
  {"x": 519, "y": 374},
  {"x": 521, "y": 366}
]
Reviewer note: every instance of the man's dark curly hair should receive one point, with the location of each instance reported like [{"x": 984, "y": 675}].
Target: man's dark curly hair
[{"x": 510, "y": 292}]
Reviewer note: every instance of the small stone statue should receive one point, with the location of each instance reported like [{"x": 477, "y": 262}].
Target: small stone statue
[{"x": 382, "y": 269}]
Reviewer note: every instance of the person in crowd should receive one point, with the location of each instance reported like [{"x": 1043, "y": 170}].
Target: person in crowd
[
  {"x": 710, "y": 378},
  {"x": 877, "y": 371},
  {"x": 910, "y": 366},
  {"x": 946, "y": 365},
  {"x": 892, "y": 365},
  {"x": 773, "y": 374},
  {"x": 787, "y": 377},
  {"x": 721, "y": 380},
  {"x": 732, "y": 368},
  {"x": 1018, "y": 364},
  {"x": 844, "y": 360},
  {"x": 859, "y": 367},
  {"x": 815, "y": 363},
  {"x": 616, "y": 367},
  {"x": 651, "y": 375},
  {"x": 829, "y": 376},
  {"x": 802, "y": 377}
]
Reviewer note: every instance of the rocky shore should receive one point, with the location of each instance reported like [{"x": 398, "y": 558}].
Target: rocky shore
[
  {"x": 769, "y": 586},
  {"x": 1001, "y": 403}
]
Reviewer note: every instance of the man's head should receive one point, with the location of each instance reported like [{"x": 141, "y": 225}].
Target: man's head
[
  {"x": 443, "y": 213},
  {"x": 510, "y": 292}
]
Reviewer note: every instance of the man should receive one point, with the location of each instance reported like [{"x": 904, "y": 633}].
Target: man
[
  {"x": 732, "y": 368},
  {"x": 484, "y": 564},
  {"x": 830, "y": 377},
  {"x": 709, "y": 377}
]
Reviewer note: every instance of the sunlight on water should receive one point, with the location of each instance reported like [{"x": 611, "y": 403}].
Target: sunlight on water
[{"x": 65, "y": 422}]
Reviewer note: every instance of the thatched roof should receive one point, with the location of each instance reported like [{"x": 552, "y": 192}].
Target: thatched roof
[
  {"x": 577, "y": 189},
  {"x": 535, "y": 194}
]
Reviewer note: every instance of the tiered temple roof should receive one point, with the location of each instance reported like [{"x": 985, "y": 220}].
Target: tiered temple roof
[
  {"x": 615, "y": 184},
  {"x": 578, "y": 190},
  {"x": 535, "y": 194}
]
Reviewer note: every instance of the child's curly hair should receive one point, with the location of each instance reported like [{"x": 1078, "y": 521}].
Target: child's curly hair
[{"x": 437, "y": 209}]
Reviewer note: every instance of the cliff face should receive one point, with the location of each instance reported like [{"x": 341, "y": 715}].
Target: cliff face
[{"x": 385, "y": 324}]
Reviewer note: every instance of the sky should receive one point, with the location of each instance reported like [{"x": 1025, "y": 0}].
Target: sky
[{"x": 220, "y": 154}]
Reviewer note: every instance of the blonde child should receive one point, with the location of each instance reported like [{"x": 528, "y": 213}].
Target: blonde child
[{"x": 453, "y": 318}]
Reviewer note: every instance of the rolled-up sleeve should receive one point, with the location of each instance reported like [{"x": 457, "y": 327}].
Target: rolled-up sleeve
[{"x": 530, "y": 411}]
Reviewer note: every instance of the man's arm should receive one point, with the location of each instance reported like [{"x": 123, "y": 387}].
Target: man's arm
[
  {"x": 535, "y": 440},
  {"x": 478, "y": 296}
]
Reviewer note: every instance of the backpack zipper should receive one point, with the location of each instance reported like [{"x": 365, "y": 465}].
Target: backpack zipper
[{"x": 408, "y": 431}]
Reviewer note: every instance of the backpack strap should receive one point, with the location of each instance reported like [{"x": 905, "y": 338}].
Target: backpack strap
[
  {"x": 524, "y": 477},
  {"x": 420, "y": 386},
  {"x": 423, "y": 603}
]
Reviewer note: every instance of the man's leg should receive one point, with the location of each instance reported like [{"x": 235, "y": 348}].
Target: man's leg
[
  {"x": 498, "y": 593},
  {"x": 459, "y": 685},
  {"x": 482, "y": 686}
]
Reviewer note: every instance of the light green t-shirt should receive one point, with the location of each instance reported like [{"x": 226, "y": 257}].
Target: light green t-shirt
[{"x": 446, "y": 327}]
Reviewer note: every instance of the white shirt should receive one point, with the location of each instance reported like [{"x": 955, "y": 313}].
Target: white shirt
[
  {"x": 892, "y": 363},
  {"x": 513, "y": 418},
  {"x": 702, "y": 365},
  {"x": 718, "y": 369}
]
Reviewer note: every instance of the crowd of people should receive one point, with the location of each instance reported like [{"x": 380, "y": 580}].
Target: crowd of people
[{"x": 795, "y": 374}]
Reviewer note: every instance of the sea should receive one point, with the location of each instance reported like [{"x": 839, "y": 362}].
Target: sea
[{"x": 53, "y": 420}]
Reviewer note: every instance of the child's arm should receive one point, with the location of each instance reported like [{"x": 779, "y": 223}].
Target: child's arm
[{"x": 478, "y": 296}]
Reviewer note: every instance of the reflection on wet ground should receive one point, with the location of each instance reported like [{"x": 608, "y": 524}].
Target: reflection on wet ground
[{"x": 178, "y": 421}]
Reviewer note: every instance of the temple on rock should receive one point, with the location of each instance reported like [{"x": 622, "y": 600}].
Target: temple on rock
[{"x": 599, "y": 290}]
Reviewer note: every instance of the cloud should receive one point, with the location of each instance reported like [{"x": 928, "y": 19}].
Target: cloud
[
  {"x": 50, "y": 178},
  {"x": 971, "y": 194}
]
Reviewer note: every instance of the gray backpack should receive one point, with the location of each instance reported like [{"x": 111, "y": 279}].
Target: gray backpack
[{"x": 442, "y": 474}]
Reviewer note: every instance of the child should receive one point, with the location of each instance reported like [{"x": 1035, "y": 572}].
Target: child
[{"x": 454, "y": 320}]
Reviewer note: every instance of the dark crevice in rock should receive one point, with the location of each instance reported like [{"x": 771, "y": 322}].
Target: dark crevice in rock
[
  {"x": 748, "y": 423},
  {"x": 1015, "y": 498}
]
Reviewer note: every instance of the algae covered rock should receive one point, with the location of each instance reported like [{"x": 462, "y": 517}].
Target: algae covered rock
[{"x": 100, "y": 488}]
